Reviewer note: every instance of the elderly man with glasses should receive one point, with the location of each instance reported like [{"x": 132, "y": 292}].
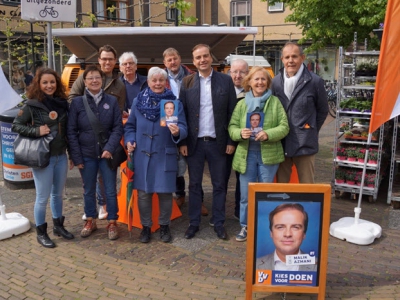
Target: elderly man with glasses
[{"x": 134, "y": 82}]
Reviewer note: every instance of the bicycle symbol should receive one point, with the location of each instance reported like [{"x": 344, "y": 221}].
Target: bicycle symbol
[{"x": 48, "y": 10}]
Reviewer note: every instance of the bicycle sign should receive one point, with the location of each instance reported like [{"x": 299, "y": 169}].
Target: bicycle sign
[{"x": 48, "y": 10}]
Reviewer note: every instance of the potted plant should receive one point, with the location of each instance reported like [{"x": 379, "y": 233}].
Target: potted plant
[
  {"x": 340, "y": 175},
  {"x": 350, "y": 176},
  {"x": 351, "y": 153},
  {"x": 370, "y": 180},
  {"x": 341, "y": 153},
  {"x": 348, "y": 134},
  {"x": 373, "y": 156},
  {"x": 361, "y": 155},
  {"x": 358, "y": 178}
]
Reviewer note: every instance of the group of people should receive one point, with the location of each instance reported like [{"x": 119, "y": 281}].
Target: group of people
[{"x": 211, "y": 114}]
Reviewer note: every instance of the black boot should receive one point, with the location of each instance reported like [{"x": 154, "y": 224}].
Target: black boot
[
  {"x": 60, "y": 230},
  {"x": 165, "y": 233},
  {"x": 42, "y": 237},
  {"x": 145, "y": 235}
]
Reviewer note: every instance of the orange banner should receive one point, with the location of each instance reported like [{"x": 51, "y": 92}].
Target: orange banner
[{"x": 386, "y": 104}]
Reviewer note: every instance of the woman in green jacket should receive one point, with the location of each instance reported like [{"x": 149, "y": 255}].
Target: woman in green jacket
[{"x": 258, "y": 124}]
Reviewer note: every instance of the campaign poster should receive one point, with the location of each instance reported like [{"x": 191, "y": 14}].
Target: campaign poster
[
  {"x": 168, "y": 112},
  {"x": 287, "y": 238},
  {"x": 255, "y": 121}
]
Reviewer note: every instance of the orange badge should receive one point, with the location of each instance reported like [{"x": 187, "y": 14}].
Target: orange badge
[
  {"x": 53, "y": 115},
  {"x": 306, "y": 126}
]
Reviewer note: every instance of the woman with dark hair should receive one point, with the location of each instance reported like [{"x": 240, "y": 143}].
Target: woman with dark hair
[
  {"x": 47, "y": 108},
  {"x": 154, "y": 152},
  {"x": 90, "y": 152}
]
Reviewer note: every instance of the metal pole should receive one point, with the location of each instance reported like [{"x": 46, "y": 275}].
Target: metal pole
[
  {"x": 49, "y": 46},
  {"x": 33, "y": 51}
]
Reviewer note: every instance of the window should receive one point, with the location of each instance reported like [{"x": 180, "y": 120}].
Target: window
[
  {"x": 11, "y": 2},
  {"x": 278, "y": 6},
  {"x": 241, "y": 12},
  {"x": 119, "y": 13}
]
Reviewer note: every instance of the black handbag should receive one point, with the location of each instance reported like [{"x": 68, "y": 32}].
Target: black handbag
[
  {"x": 32, "y": 152},
  {"x": 119, "y": 155}
]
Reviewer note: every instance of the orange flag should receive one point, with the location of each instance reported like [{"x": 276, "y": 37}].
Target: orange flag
[{"x": 386, "y": 104}]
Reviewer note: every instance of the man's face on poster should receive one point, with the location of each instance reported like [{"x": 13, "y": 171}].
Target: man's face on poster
[
  {"x": 255, "y": 120},
  {"x": 288, "y": 232}
]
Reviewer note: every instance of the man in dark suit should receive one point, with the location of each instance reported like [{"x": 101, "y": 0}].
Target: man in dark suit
[{"x": 208, "y": 99}]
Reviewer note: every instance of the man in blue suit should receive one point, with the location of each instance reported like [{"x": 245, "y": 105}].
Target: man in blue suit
[{"x": 208, "y": 99}]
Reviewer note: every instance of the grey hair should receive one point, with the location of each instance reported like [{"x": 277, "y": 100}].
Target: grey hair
[
  {"x": 126, "y": 55},
  {"x": 156, "y": 71},
  {"x": 240, "y": 61}
]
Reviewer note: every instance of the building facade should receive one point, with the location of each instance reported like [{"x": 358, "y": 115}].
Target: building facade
[{"x": 273, "y": 31}]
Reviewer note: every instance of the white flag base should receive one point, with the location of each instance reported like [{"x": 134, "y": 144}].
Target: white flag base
[
  {"x": 12, "y": 224},
  {"x": 355, "y": 230}
]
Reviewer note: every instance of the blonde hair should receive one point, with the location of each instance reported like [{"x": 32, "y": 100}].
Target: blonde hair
[{"x": 247, "y": 79}]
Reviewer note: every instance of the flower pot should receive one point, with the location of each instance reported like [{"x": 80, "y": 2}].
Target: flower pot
[
  {"x": 339, "y": 181},
  {"x": 372, "y": 162},
  {"x": 351, "y": 159},
  {"x": 358, "y": 183},
  {"x": 361, "y": 160},
  {"x": 341, "y": 157},
  {"x": 350, "y": 182},
  {"x": 370, "y": 185}
]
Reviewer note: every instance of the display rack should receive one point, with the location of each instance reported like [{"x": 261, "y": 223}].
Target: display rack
[
  {"x": 394, "y": 180},
  {"x": 352, "y": 86}
]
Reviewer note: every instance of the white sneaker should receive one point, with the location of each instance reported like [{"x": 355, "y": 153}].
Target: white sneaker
[{"x": 103, "y": 212}]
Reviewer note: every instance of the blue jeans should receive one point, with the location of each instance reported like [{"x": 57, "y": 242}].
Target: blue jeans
[
  {"x": 50, "y": 182},
  {"x": 256, "y": 171},
  {"x": 89, "y": 177},
  {"x": 207, "y": 150}
]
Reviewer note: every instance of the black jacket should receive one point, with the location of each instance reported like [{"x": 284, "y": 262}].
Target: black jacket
[{"x": 40, "y": 112}]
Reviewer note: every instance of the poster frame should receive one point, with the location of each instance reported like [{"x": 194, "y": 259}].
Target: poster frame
[{"x": 258, "y": 192}]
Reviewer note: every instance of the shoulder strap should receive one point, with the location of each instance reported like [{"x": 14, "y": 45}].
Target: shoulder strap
[{"x": 94, "y": 122}]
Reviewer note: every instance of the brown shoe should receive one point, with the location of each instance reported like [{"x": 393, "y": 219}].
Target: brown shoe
[
  {"x": 112, "y": 230},
  {"x": 204, "y": 210},
  {"x": 180, "y": 201},
  {"x": 90, "y": 226}
]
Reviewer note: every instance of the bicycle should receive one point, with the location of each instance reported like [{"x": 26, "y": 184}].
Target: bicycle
[
  {"x": 331, "y": 91},
  {"x": 48, "y": 10}
]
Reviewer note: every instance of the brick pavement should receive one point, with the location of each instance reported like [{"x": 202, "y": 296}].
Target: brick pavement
[{"x": 202, "y": 268}]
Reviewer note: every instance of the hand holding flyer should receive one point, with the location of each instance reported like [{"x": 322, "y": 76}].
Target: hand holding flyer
[{"x": 168, "y": 113}]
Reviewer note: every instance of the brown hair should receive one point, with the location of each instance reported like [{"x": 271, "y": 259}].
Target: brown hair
[
  {"x": 108, "y": 48},
  {"x": 34, "y": 91},
  {"x": 92, "y": 68},
  {"x": 170, "y": 51},
  {"x": 288, "y": 206},
  {"x": 201, "y": 46},
  {"x": 246, "y": 80}
]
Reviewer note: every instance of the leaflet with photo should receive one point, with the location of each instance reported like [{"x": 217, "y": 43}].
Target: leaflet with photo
[{"x": 168, "y": 112}]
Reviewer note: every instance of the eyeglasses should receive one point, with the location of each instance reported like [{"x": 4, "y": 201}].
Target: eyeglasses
[
  {"x": 105, "y": 59},
  {"x": 93, "y": 78},
  {"x": 125, "y": 64},
  {"x": 239, "y": 72}
]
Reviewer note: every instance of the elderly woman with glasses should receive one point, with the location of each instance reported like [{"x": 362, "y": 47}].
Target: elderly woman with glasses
[
  {"x": 154, "y": 152},
  {"x": 89, "y": 151}
]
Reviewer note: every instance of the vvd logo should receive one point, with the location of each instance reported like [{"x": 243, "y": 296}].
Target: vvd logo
[{"x": 262, "y": 277}]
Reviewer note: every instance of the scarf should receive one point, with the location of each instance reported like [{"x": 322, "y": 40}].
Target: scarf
[
  {"x": 148, "y": 103},
  {"x": 256, "y": 103},
  {"x": 55, "y": 104},
  {"x": 97, "y": 97},
  {"x": 290, "y": 82},
  {"x": 177, "y": 77}
]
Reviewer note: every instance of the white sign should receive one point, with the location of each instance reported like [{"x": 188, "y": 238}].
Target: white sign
[{"x": 48, "y": 10}]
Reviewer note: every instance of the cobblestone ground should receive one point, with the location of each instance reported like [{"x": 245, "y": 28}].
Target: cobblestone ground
[{"x": 202, "y": 268}]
